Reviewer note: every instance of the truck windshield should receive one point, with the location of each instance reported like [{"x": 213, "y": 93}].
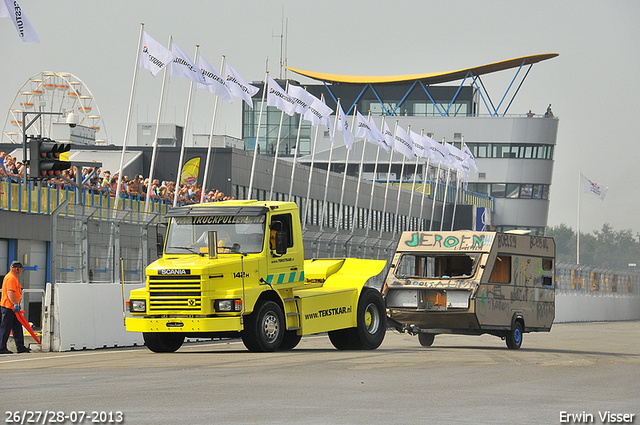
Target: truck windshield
[
  {"x": 235, "y": 234},
  {"x": 437, "y": 266}
]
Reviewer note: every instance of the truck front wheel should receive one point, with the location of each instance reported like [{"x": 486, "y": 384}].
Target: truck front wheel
[
  {"x": 163, "y": 342},
  {"x": 264, "y": 328}
]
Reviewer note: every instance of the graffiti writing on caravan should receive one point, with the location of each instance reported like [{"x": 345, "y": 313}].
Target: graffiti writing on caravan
[
  {"x": 471, "y": 241},
  {"x": 509, "y": 241}
]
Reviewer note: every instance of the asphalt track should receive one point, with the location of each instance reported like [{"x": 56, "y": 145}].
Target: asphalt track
[{"x": 579, "y": 368}]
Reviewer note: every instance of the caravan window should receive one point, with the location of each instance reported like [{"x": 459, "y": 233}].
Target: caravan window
[
  {"x": 437, "y": 266},
  {"x": 501, "y": 269}
]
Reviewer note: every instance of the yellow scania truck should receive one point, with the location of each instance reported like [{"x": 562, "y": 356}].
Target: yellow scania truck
[
  {"x": 237, "y": 269},
  {"x": 471, "y": 283}
]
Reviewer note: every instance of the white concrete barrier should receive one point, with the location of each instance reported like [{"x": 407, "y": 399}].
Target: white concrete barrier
[
  {"x": 90, "y": 316},
  {"x": 595, "y": 308}
]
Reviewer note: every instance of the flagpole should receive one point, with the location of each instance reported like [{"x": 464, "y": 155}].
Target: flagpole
[
  {"x": 435, "y": 195},
  {"x": 275, "y": 157},
  {"x": 373, "y": 183},
  {"x": 295, "y": 157},
  {"x": 455, "y": 199},
  {"x": 186, "y": 132},
  {"x": 395, "y": 227},
  {"x": 424, "y": 189},
  {"x": 213, "y": 121},
  {"x": 313, "y": 157},
  {"x": 386, "y": 189},
  {"x": 413, "y": 186},
  {"x": 578, "y": 232},
  {"x": 360, "y": 169},
  {"x": 326, "y": 183},
  {"x": 155, "y": 139},
  {"x": 344, "y": 175},
  {"x": 256, "y": 147},
  {"x": 444, "y": 198},
  {"x": 126, "y": 129}
]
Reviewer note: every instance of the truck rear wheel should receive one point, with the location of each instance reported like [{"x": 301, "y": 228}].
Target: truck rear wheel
[
  {"x": 163, "y": 342},
  {"x": 514, "y": 337},
  {"x": 264, "y": 328},
  {"x": 426, "y": 340},
  {"x": 372, "y": 325}
]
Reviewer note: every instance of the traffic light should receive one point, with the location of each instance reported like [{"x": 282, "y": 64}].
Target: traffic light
[{"x": 45, "y": 160}]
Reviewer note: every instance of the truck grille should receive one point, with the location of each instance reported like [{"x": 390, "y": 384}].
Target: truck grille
[{"x": 175, "y": 293}]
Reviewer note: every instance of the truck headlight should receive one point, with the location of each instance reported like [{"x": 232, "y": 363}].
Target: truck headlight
[
  {"x": 138, "y": 306},
  {"x": 228, "y": 305}
]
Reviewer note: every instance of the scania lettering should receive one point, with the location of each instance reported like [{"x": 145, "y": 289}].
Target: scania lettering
[
  {"x": 237, "y": 269},
  {"x": 471, "y": 283}
]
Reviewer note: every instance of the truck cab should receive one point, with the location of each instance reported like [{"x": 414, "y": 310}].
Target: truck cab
[{"x": 237, "y": 269}]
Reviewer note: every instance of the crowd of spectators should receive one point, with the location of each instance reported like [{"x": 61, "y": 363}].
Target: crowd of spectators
[
  {"x": 94, "y": 181},
  {"x": 10, "y": 168},
  {"x": 136, "y": 188}
]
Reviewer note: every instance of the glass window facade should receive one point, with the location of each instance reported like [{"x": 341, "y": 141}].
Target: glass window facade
[
  {"x": 511, "y": 190},
  {"x": 511, "y": 150}
]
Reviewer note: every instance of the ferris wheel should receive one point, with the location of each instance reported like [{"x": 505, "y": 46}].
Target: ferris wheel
[{"x": 59, "y": 92}]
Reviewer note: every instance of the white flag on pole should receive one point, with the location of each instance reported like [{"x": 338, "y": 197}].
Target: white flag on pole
[
  {"x": 590, "y": 187},
  {"x": 344, "y": 127},
  {"x": 301, "y": 98},
  {"x": 439, "y": 153},
  {"x": 276, "y": 96},
  {"x": 368, "y": 130},
  {"x": 215, "y": 83},
  {"x": 239, "y": 87},
  {"x": 388, "y": 136},
  {"x": 154, "y": 56},
  {"x": 420, "y": 147},
  {"x": 182, "y": 66},
  {"x": 402, "y": 143},
  {"x": 318, "y": 112},
  {"x": 456, "y": 156},
  {"x": 471, "y": 160},
  {"x": 11, "y": 9}
]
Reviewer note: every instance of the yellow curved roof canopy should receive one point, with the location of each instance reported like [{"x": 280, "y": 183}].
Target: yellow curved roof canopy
[{"x": 431, "y": 78}]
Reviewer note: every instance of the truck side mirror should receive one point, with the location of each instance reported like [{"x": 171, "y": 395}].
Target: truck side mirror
[
  {"x": 212, "y": 238},
  {"x": 159, "y": 244},
  {"x": 281, "y": 243}
]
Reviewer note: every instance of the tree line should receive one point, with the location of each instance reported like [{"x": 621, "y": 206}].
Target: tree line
[{"x": 606, "y": 248}]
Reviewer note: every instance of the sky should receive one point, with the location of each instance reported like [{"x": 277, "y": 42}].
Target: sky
[{"x": 593, "y": 84}]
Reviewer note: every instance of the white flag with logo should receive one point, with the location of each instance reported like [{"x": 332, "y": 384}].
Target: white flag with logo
[
  {"x": 345, "y": 128},
  {"x": 368, "y": 130},
  {"x": 458, "y": 160},
  {"x": 276, "y": 96},
  {"x": 456, "y": 156},
  {"x": 11, "y": 9},
  {"x": 301, "y": 98},
  {"x": 402, "y": 143},
  {"x": 388, "y": 136},
  {"x": 439, "y": 153},
  {"x": 420, "y": 148},
  {"x": 239, "y": 87},
  {"x": 154, "y": 56},
  {"x": 318, "y": 112},
  {"x": 590, "y": 187},
  {"x": 470, "y": 159},
  {"x": 326, "y": 121},
  {"x": 182, "y": 66},
  {"x": 216, "y": 84}
]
